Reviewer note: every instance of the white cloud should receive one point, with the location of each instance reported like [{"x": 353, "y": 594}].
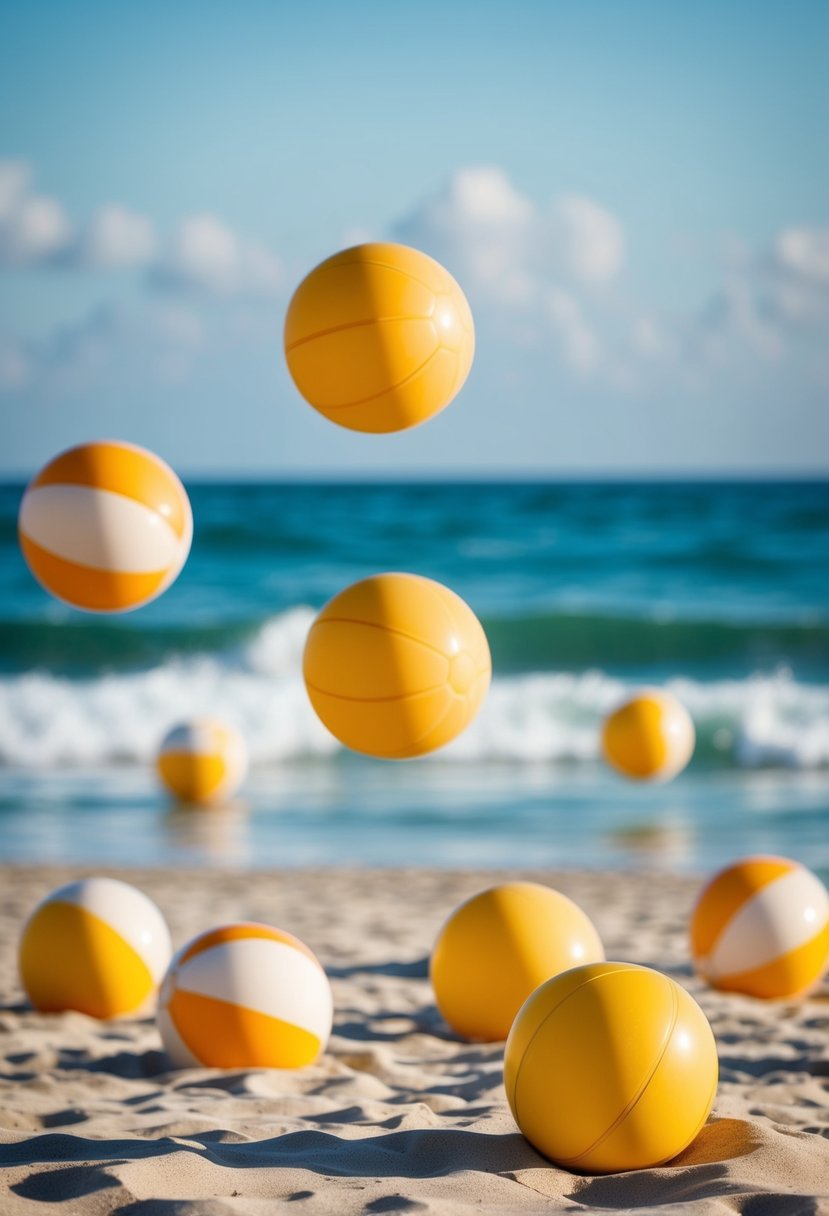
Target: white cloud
[
  {"x": 32, "y": 226},
  {"x": 116, "y": 238},
  {"x": 589, "y": 240},
  {"x": 205, "y": 255},
  {"x": 14, "y": 365},
  {"x": 578, "y": 343},
  {"x": 804, "y": 252}
]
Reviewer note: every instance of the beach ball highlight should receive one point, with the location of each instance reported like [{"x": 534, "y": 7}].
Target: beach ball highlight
[
  {"x": 761, "y": 927},
  {"x": 98, "y": 946},
  {"x": 610, "y": 1067},
  {"x": 245, "y": 996},
  {"x": 106, "y": 526},
  {"x": 649, "y": 738},
  {"x": 396, "y": 666},
  {"x": 498, "y": 946},
  {"x": 202, "y": 762},
  {"x": 379, "y": 338}
]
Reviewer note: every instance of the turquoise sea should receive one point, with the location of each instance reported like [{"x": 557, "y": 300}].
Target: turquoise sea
[{"x": 720, "y": 591}]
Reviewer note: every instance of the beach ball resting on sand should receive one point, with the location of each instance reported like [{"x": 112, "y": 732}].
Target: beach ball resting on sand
[
  {"x": 498, "y": 946},
  {"x": 105, "y": 526},
  {"x": 98, "y": 946},
  {"x": 610, "y": 1067},
  {"x": 761, "y": 927},
  {"x": 245, "y": 996},
  {"x": 203, "y": 761},
  {"x": 650, "y": 737},
  {"x": 396, "y": 665},
  {"x": 379, "y": 338}
]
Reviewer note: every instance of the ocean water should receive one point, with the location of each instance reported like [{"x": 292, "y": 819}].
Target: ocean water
[{"x": 718, "y": 591}]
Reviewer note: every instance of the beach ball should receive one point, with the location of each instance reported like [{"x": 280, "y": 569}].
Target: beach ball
[
  {"x": 379, "y": 338},
  {"x": 649, "y": 738},
  {"x": 99, "y": 946},
  {"x": 245, "y": 996},
  {"x": 202, "y": 761},
  {"x": 761, "y": 927},
  {"x": 497, "y": 947},
  {"x": 396, "y": 666},
  {"x": 610, "y": 1067},
  {"x": 105, "y": 526}
]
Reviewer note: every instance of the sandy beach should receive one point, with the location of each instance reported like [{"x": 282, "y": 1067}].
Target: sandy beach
[{"x": 398, "y": 1115}]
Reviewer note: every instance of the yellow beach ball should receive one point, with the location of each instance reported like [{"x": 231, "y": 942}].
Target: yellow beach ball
[
  {"x": 610, "y": 1067},
  {"x": 202, "y": 761},
  {"x": 99, "y": 946},
  {"x": 379, "y": 338},
  {"x": 396, "y": 666},
  {"x": 498, "y": 946},
  {"x": 649, "y": 738},
  {"x": 245, "y": 996},
  {"x": 761, "y": 927},
  {"x": 106, "y": 526}
]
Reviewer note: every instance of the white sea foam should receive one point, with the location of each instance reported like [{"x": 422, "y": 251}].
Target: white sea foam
[{"x": 48, "y": 721}]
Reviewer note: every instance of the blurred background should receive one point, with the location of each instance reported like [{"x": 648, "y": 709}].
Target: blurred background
[{"x": 631, "y": 488}]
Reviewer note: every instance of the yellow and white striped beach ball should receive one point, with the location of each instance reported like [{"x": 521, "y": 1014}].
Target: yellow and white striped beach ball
[
  {"x": 245, "y": 996},
  {"x": 202, "y": 761},
  {"x": 105, "y": 526},
  {"x": 99, "y": 946},
  {"x": 761, "y": 927}
]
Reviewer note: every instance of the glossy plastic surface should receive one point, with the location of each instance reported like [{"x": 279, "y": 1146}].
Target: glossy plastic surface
[
  {"x": 105, "y": 527},
  {"x": 761, "y": 927},
  {"x": 202, "y": 762},
  {"x": 496, "y": 948},
  {"x": 98, "y": 946},
  {"x": 396, "y": 665},
  {"x": 610, "y": 1067},
  {"x": 379, "y": 338},
  {"x": 649, "y": 738}
]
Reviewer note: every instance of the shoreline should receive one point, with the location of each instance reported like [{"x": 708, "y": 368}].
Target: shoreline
[{"x": 399, "y": 1115}]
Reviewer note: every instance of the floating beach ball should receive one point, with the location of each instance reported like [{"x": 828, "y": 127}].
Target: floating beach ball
[
  {"x": 496, "y": 948},
  {"x": 105, "y": 526},
  {"x": 99, "y": 946},
  {"x": 649, "y": 738},
  {"x": 379, "y": 338},
  {"x": 761, "y": 927},
  {"x": 610, "y": 1067},
  {"x": 396, "y": 666},
  {"x": 202, "y": 761},
  {"x": 245, "y": 996}
]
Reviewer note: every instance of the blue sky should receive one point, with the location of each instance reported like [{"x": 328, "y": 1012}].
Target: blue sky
[{"x": 633, "y": 194}]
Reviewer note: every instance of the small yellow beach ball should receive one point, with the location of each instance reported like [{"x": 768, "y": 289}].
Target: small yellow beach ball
[
  {"x": 379, "y": 338},
  {"x": 245, "y": 996},
  {"x": 396, "y": 666},
  {"x": 610, "y": 1067},
  {"x": 99, "y": 946},
  {"x": 761, "y": 927},
  {"x": 202, "y": 761},
  {"x": 106, "y": 526},
  {"x": 497, "y": 947},
  {"x": 650, "y": 737}
]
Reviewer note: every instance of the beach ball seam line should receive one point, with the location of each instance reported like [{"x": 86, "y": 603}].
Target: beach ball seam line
[
  {"x": 590, "y": 980},
  {"x": 389, "y": 388},
  {"x": 338, "y": 329},
  {"x": 336, "y": 264},
  {"x": 390, "y": 629},
  {"x": 641, "y": 1091},
  {"x": 402, "y": 696}
]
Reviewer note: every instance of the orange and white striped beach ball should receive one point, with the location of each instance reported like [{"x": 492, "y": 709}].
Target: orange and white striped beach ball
[
  {"x": 99, "y": 946},
  {"x": 105, "y": 526},
  {"x": 245, "y": 996},
  {"x": 202, "y": 761},
  {"x": 761, "y": 927}
]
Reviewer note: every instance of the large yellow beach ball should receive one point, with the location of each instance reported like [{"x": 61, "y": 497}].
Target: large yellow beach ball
[
  {"x": 610, "y": 1067},
  {"x": 498, "y": 946},
  {"x": 245, "y": 996},
  {"x": 379, "y": 338},
  {"x": 761, "y": 927},
  {"x": 202, "y": 761},
  {"x": 99, "y": 946},
  {"x": 105, "y": 526},
  {"x": 650, "y": 737},
  {"x": 396, "y": 665}
]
